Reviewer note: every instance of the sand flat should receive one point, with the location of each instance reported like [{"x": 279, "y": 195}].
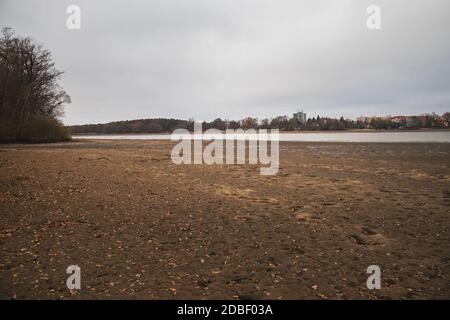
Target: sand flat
[{"x": 141, "y": 227}]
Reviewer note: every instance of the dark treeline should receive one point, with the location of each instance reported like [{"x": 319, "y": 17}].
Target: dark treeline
[
  {"x": 283, "y": 123},
  {"x": 132, "y": 126},
  {"x": 30, "y": 99}
]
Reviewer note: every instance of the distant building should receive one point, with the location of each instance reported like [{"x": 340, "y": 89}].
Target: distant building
[
  {"x": 411, "y": 121},
  {"x": 300, "y": 117},
  {"x": 405, "y": 121},
  {"x": 361, "y": 120}
]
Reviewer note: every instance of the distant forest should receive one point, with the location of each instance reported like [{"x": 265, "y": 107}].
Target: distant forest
[{"x": 283, "y": 123}]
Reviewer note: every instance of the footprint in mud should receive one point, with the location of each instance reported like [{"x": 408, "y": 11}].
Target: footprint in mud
[
  {"x": 368, "y": 231},
  {"x": 303, "y": 216},
  {"x": 363, "y": 235},
  {"x": 358, "y": 239},
  {"x": 245, "y": 194}
]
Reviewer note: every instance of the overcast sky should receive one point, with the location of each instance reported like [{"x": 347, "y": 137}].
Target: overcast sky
[{"x": 204, "y": 59}]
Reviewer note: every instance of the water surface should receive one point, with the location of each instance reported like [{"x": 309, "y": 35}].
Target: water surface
[{"x": 394, "y": 136}]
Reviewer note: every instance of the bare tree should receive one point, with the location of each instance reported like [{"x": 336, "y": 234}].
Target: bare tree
[
  {"x": 249, "y": 123},
  {"x": 28, "y": 82}
]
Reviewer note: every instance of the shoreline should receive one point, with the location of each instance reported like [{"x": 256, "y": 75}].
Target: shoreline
[
  {"x": 285, "y": 132},
  {"x": 442, "y": 136}
]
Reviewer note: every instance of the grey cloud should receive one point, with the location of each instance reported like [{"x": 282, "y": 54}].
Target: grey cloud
[{"x": 211, "y": 58}]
